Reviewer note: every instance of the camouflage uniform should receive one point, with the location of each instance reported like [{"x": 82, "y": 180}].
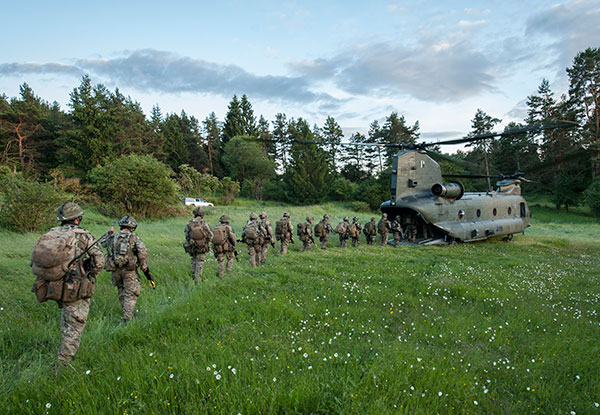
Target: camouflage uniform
[
  {"x": 268, "y": 240},
  {"x": 411, "y": 228},
  {"x": 397, "y": 229},
  {"x": 254, "y": 245},
  {"x": 226, "y": 249},
  {"x": 125, "y": 277},
  {"x": 287, "y": 232},
  {"x": 306, "y": 235},
  {"x": 74, "y": 313},
  {"x": 383, "y": 228},
  {"x": 327, "y": 229},
  {"x": 197, "y": 250},
  {"x": 370, "y": 231},
  {"x": 356, "y": 237},
  {"x": 343, "y": 228}
]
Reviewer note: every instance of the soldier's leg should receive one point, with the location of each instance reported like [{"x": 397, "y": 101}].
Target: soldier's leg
[
  {"x": 323, "y": 242},
  {"x": 72, "y": 322},
  {"x": 200, "y": 265},
  {"x": 131, "y": 292},
  {"x": 264, "y": 251},
  {"x": 230, "y": 260},
  {"x": 220, "y": 264},
  {"x": 284, "y": 247},
  {"x": 251, "y": 255}
]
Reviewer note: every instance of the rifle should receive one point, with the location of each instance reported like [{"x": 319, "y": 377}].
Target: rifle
[
  {"x": 313, "y": 240},
  {"x": 235, "y": 253},
  {"x": 99, "y": 240},
  {"x": 150, "y": 277},
  {"x": 292, "y": 240}
]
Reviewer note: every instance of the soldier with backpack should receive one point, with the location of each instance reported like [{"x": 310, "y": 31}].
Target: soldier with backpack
[
  {"x": 284, "y": 231},
  {"x": 197, "y": 239},
  {"x": 343, "y": 229},
  {"x": 383, "y": 228},
  {"x": 354, "y": 232},
  {"x": 253, "y": 235},
  {"x": 268, "y": 239},
  {"x": 126, "y": 252},
  {"x": 397, "y": 229},
  {"x": 224, "y": 245},
  {"x": 370, "y": 231},
  {"x": 66, "y": 261},
  {"x": 304, "y": 232},
  {"x": 322, "y": 230}
]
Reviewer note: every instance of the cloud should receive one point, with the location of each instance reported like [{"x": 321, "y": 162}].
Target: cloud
[
  {"x": 572, "y": 26},
  {"x": 152, "y": 70}
]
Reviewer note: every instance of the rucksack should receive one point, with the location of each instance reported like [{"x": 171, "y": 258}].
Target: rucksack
[
  {"x": 280, "y": 227},
  {"x": 340, "y": 228},
  {"x": 118, "y": 248},
  {"x": 353, "y": 231},
  {"x": 319, "y": 229},
  {"x": 382, "y": 226},
  {"x": 219, "y": 235},
  {"x": 52, "y": 253},
  {"x": 300, "y": 229},
  {"x": 370, "y": 228},
  {"x": 252, "y": 231},
  {"x": 198, "y": 232}
]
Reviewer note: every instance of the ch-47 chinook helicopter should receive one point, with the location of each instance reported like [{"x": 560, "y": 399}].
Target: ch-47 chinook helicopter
[{"x": 440, "y": 213}]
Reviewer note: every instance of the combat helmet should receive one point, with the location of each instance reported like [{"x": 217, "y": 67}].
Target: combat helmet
[
  {"x": 68, "y": 211},
  {"x": 199, "y": 211},
  {"x": 253, "y": 216},
  {"x": 373, "y": 218},
  {"x": 346, "y": 218},
  {"x": 384, "y": 215},
  {"x": 262, "y": 215},
  {"x": 309, "y": 219},
  {"x": 128, "y": 222},
  {"x": 224, "y": 219},
  {"x": 326, "y": 216},
  {"x": 355, "y": 219},
  {"x": 286, "y": 215}
]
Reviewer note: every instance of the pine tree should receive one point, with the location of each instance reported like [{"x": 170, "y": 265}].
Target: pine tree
[
  {"x": 332, "y": 133},
  {"x": 281, "y": 137},
  {"x": 234, "y": 121},
  {"x": 212, "y": 133},
  {"x": 248, "y": 118},
  {"x": 483, "y": 123}
]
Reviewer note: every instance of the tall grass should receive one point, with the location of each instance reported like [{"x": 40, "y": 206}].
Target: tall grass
[{"x": 488, "y": 327}]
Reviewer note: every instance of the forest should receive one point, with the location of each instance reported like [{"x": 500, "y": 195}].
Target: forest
[{"x": 103, "y": 149}]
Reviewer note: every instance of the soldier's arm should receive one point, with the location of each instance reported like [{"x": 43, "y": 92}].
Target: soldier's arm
[
  {"x": 95, "y": 253},
  {"x": 141, "y": 252},
  {"x": 209, "y": 232},
  {"x": 187, "y": 232}
]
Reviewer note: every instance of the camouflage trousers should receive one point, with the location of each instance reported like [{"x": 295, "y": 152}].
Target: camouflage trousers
[
  {"x": 128, "y": 289},
  {"x": 254, "y": 252},
  {"x": 306, "y": 243},
  {"x": 397, "y": 237},
  {"x": 383, "y": 238},
  {"x": 411, "y": 233},
  {"x": 263, "y": 253},
  {"x": 72, "y": 322},
  {"x": 343, "y": 241},
  {"x": 324, "y": 240},
  {"x": 284, "y": 246},
  {"x": 370, "y": 239},
  {"x": 221, "y": 262},
  {"x": 356, "y": 241},
  {"x": 197, "y": 265}
]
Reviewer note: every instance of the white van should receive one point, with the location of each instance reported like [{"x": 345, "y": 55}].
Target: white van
[{"x": 191, "y": 201}]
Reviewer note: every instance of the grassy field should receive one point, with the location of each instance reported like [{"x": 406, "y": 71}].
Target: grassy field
[{"x": 492, "y": 327}]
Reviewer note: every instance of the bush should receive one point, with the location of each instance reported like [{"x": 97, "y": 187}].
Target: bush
[
  {"x": 374, "y": 191},
  {"x": 229, "y": 189},
  {"x": 136, "y": 185},
  {"x": 26, "y": 205},
  {"x": 360, "y": 206},
  {"x": 591, "y": 198},
  {"x": 342, "y": 189}
]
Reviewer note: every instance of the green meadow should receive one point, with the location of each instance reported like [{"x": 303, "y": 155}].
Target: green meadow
[{"x": 482, "y": 328}]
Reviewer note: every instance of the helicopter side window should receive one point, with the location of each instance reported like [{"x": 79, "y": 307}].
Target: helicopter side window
[
  {"x": 495, "y": 211},
  {"x": 461, "y": 213},
  {"x": 523, "y": 210},
  {"x": 478, "y": 213},
  {"x": 509, "y": 210}
]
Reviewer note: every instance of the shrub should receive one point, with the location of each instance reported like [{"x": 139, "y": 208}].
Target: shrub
[
  {"x": 591, "y": 197},
  {"x": 229, "y": 190},
  {"x": 26, "y": 205},
  {"x": 360, "y": 206},
  {"x": 342, "y": 189},
  {"x": 137, "y": 185}
]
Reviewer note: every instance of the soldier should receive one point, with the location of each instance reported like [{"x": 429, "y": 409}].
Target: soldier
[
  {"x": 197, "y": 239},
  {"x": 253, "y": 235},
  {"x": 268, "y": 240},
  {"x": 322, "y": 230},
  {"x": 126, "y": 252},
  {"x": 284, "y": 232},
  {"x": 355, "y": 229},
  {"x": 397, "y": 230},
  {"x": 75, "y": 303},
  {"x": 383, "y": 227},
  {"x": 370, "y": 231},
  {"x": 305, "y": 234},
  {"x": 224, "y": 245},
  {"x": 411, "y": 228},
  {"x": 343, "y": 230}
]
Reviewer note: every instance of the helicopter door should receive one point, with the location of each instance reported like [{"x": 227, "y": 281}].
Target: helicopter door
[{"x": 523, "y": 210}]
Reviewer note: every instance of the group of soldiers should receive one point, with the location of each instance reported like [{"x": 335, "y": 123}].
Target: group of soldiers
[{"x": 67, "y": 259}]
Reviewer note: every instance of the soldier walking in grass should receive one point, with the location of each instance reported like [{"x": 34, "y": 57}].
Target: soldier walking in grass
[
  {"x": 126, "y": 252},
  {"x": 268, "y": 239},
  {"x": 383, "y": 228},
  {"x": 305, "y": 232},
  {"x": 254, "y": 235},
  {"x": 197, "y": 242},
  {"x": 322, "y": 230},
  {"x": 397, "y": 230},
  {"x": 354, "y": 232},
  {"x": 284, "y": 232},
  {"x": 343, "y": 229},
  {"x": 52, "y": 254},
  {"x": 224, "y": 246},
  {"x": 370, "y": 231}
]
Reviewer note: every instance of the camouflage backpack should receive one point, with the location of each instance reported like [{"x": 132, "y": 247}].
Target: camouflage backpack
[
  {"x": 370, "y": 229},
  {"x": 52, "y": 253},
  {"x": 198, "y": 233},
  {"x": 219, "y": 235},
  {"x": 252, "y": 231},
  {"x": 353, "y": 231},
  {"x": 320, "y": 229},
  {"x": 280, "y": 227},
  {"x": 340, "y": 228},
  {"x": 382, "y": 226},
  {"x": 119, "y": 248}
]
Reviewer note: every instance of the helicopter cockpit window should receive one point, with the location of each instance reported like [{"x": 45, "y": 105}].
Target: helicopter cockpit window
[
  {"x": 478, "y": 213},
  {"x": 495, "y": 212},
  {"x": 461, "y": 213}
]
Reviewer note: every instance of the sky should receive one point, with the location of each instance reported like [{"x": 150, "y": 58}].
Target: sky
[{"x": 435, "y": 62}]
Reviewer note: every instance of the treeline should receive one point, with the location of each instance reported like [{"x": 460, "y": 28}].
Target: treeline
[{"x": 287, "y": 159}]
